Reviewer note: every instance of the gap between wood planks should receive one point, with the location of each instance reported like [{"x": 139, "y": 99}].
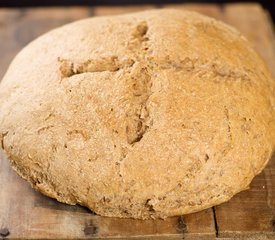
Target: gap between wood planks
[{"x": 215, "y": 222}]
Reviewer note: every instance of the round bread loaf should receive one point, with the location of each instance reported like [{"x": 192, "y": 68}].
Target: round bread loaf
[{"x": 151, "y": 114}]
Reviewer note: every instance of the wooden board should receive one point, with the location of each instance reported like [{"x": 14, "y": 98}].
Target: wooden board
[{"x": 25, "y": 213}]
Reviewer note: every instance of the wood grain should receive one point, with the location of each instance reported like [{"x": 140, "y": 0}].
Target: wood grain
[
  {"x": 25, "y": 213},
  {"x": 211, "y": 10},
  {"x": 114, "y": 10}
]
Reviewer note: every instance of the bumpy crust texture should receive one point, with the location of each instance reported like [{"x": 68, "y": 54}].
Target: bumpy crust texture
[{"x": 152, "y": 114}]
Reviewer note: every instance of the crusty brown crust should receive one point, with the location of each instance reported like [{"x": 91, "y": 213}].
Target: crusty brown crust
[{"x": 151, "y": 114}]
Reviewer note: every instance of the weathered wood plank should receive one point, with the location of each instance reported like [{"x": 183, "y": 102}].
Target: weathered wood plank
[
  {"x": 211, "y": 10},
  {"x": 114, "y": 10},
  {"x": 251, "y": 213}
]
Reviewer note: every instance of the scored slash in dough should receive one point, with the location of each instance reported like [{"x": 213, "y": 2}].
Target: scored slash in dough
[{"x": 152, "y": 114}]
